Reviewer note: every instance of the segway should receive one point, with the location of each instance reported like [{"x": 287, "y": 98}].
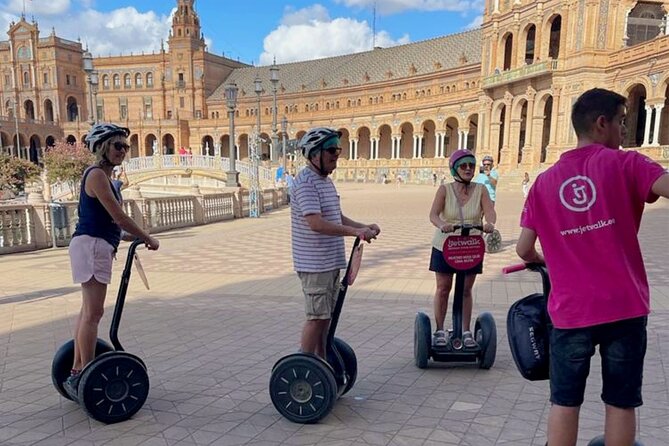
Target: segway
[
  {"x": 115, "y": 385},
  {"x": 528, "y": 330},
  {"x": 462, "y": 252},
  {"x": 303, "y": 386}
]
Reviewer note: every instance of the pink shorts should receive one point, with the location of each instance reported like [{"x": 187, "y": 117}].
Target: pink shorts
[{"x": 91, "y": 257}]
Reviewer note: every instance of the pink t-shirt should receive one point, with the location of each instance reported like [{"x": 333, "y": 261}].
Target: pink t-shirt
[{"x": 586, "y": 211}]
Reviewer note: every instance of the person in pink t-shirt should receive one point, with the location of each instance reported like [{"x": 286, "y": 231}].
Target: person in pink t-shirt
[{"x": 586, "y": 211}]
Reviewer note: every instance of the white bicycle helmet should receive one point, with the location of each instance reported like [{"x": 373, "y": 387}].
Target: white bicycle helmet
[
  {"x": 101, "y": 132},
  {"x": 487, "y": 158},
  {"x": 313, "y": 140}
]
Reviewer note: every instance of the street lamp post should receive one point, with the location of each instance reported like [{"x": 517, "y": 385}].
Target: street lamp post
[
  {"x": 274, "y": 79},
  {"x": 94, "y": 86},
  {"x": 231, "y": 91},
  {"x": 87, "y": 60},
  {"x": 254, "y": 193},
  {"x": 284, "y": 131},
  {"x": 15, "y": 111}
]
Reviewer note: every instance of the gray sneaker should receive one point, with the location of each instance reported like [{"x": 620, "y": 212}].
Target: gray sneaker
[
  {"x": 439, "y": 339},
  {"x": 71, "y": 385}
]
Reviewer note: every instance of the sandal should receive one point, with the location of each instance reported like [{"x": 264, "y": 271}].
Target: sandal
[{"x": 468, "y": 340}]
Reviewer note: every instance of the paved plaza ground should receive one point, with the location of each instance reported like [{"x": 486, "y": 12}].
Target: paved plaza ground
[{"x": 225, "y": 305}]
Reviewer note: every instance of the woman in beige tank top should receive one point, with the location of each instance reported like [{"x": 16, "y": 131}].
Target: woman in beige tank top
[{"x": 459, "y": 202}]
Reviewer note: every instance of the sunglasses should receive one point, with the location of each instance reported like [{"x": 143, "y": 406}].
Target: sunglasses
[
  {"x": 467, "y": 166},
  {"x": 333, "y": 150},
  {"x": 487, "y": 164},
  {"x": 118, "y": 145}
]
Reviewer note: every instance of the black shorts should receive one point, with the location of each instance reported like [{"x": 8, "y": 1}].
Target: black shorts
[
  {"x": 439, "y": 265},
  {"x": 622, "y": 346}
]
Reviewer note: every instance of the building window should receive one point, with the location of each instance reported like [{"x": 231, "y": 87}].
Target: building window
[
  {"x": 182, "y": 102},
  {"x": 105, "y": 82},
  {"x": 198, "y": 114},
  {"x": 117, "y": 81},
  {"x": 149, "y": 80},
  {"x": 138, "y": 80},
  {"x": 67, "y": 79},
  {"x": 46, "y": 78},
  {"x": 126, "y": 81}
]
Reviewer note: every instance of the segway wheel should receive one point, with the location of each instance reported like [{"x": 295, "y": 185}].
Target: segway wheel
[
  {"x": 113, "y": 387},
  {"x": 422, "y": 333},
  {"x": 62, "y": 363},
  {"x": 350, "y": 363},
  {"x": 599, "y": 441},
  {"x": 303, "y": 388},
  {"x": 486, "y": 336},
  {"x": 493, "y": 241}
]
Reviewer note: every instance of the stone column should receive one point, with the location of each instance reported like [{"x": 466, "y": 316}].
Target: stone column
[
  {"x": 350, "y": 149},
  {"x": 465, "y": 137},
  {"x": 439, "y": 145},
  {"x": 374, "y": 149},
  {"x": 646, "y": 133},
  {"x": 355, "y": 149},
  {"x": 495, "y": 7},
  {"x": 658, "y": 119},
  {"x": 415, "y": 147}
]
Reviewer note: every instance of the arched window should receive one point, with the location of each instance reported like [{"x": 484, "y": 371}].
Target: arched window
[
  {"x": 138, "y": 80},
  {"x": 117, "y": 81},
  {"x": 105, "y": 82},
  {"x": 126, "y": 81},
  {"x": 149, "y": 80}
]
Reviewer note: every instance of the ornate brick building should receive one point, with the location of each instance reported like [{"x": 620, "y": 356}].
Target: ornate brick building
[{"x": 505, "y": 89}]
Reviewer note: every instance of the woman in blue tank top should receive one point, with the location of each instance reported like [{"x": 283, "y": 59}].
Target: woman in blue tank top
[{"x": 97, "y": 236}]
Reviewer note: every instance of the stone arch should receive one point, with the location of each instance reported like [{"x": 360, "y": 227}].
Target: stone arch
[
  {"x": 50, "y": 141},
  {"x": 134, "y": 145},
  {"x": 529, "y": 34},
  {"x": 451, "y": 135},
  {"x": 498, "y": 124},
  {"x": 207, "y": 145},
  {"x": 553, "y": 33},
  {"x": 29, "y": 109},
  {"x": 636, "y": 115},
  {"x": 472, "y": 124},
  {"x": 364, "y": 142},
  {"x": 72, "y": 109},
  {"x": 406, "y": 140},
  {"x": 35, "y": 149},
  {"x": 168, "y": 144},
  {"x": 243, "y": 146},
  {"x": 225, "y": 146},
  {"x": 264, "y": 152},
  {"x": 385, "y": 134},
  {"x": 543, "y": 108},
  {"x": 507, "y": 51},
  {"x": 632, "y": 84},
  {"x": 429, "y": 141},
  {"x": 149, "y": 141},
  {"x": 70, "y": 139},
  {"x": 48, "y": 110},
  {"x": 344, "y": 143},
  {"x": 520, "y": 111}
]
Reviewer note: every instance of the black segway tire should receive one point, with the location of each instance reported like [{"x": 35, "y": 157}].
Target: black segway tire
[
  {"x": 62, "y": 363},
  {"x": 114, "y": 387},
  {"x": 303, "y": 388},
  {"x": 422, "y": 340},
  {"x": 350, "y": 363},
  {"x": 599, "y": 441},
  {"x": 486, "y": 336}
]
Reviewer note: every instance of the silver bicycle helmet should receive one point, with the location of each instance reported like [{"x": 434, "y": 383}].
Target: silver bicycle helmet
[
  {"x": 487, "y": 158},
  {"x": 313, "y": 140},
  {"x": 101, "y": 132}
]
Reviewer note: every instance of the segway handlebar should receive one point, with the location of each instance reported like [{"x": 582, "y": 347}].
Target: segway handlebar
[
  {"x": 514, "y": 268},
  {"x": 468, "y": 226},
  {"x": 536, "y": 267}
]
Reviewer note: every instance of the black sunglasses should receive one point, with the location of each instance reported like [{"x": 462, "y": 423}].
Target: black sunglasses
[
  {"x": 118, "y": 145},
  {"x": 333, "y": 150},
  {"x": 467, "y": 166}
]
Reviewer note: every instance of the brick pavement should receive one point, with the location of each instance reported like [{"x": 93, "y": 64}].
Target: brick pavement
[{"x": 210, "y": 329}]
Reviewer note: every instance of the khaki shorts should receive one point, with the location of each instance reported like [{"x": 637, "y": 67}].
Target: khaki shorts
[{"x": 320, "y": 293}]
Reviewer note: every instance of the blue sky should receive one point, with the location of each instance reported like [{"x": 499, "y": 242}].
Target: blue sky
[{"x": 253, "y": 31}]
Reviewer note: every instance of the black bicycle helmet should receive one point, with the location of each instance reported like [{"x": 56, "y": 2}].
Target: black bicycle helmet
[{"x": 101, "y": 132}]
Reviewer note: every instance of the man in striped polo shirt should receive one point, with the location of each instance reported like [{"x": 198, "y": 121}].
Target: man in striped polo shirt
[{"x": 318, "y": 229}]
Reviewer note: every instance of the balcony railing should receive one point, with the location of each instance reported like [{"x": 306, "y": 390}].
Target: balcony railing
[{"x": 524, "y": 72}]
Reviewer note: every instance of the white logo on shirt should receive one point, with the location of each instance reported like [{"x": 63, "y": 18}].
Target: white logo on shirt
[{"x": 578, "y": 193}]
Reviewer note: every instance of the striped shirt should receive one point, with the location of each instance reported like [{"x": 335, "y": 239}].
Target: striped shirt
[{"x": 314, "y": 252}]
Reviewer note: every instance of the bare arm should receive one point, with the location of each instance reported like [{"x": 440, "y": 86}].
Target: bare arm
[
  {"x": 97, "y": 185},
  {"x": 525, "y": 248},
  {"x": 437, "y": 208},
  {"x": 488, "y": 208},
  {"x": 318, "y": 224},
  {"x": 661, "y": 186}
]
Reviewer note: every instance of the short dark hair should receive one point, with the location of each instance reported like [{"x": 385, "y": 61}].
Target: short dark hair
[{"x": 591, "y": 105}]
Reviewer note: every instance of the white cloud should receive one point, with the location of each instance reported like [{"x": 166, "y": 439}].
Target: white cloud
[
  {"x": 38, "y": 7},
  {"x": 303, "y": 37},
  {"x": 395, "y": 6},
  {"x": 477, "y": 22},
  {"x": 305, "y": 15}
]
